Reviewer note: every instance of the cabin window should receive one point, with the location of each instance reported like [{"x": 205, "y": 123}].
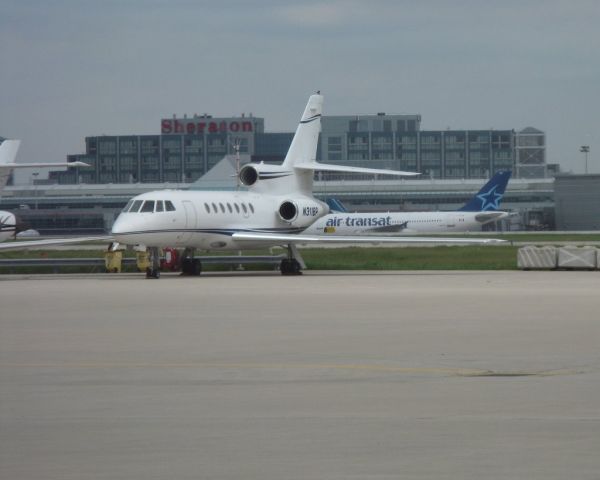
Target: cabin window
[
  {"x": 222, "y": 207},
  {"x": 160, "y": 206},
  {"x": 215, "y": 208},
  {"x": 136, "y": 206},
  {"x": 251, "y": 207},
  {"x": 237, "y": 208},
  {"x": 244, "y": 208},
  {"x": 207, "y": 208},
  {"x": 128, "y": 206},
  {"x": 229, "y": 208},
  {"x": 148, "y": 206},
  {"x": 169, "y": 206}
]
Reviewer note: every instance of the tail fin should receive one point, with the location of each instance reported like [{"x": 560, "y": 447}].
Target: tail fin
[
  {"x": 490, "y": 195},
  {"x": 304, "y": 145},
  {"x": 336, "y": 205},
  {"x": 8, "y": 151}
]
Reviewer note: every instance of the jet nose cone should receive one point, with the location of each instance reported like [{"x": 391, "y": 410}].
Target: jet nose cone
[{"x": 119, "y": 226}]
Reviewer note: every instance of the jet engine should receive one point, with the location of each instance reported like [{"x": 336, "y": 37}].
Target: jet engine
[
  {"x": 273, "y": 179},
  {"x": 301, "y": 212}
]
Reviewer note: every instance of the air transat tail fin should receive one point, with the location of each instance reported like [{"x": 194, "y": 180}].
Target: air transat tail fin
[
  {"x": 490, "y": 195},
  {"x": 336, "y": 205}
]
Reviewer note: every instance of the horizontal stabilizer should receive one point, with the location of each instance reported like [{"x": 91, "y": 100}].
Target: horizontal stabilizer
[
  {"x": 486, "y": 217},
  {"x": 323, "y": 167}
]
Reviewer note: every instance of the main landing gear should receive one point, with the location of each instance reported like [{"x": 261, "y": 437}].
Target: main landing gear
[
  {"x": 189, "y": 265},
  {"x": 153, "y": 271},
  {"x": 294, "y": 264},
  {"x": 290, "y": 266}
]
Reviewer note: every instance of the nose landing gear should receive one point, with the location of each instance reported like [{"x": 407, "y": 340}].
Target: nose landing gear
[{"x": 153, "y": 271}]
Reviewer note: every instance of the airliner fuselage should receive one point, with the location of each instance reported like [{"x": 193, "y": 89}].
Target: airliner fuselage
[{"x": 402, "y": 222}]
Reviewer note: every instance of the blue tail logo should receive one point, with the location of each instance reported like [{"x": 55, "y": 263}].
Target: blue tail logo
[
  {"x": 336, "y": 205},
  {"x": 490, "y": 195}
]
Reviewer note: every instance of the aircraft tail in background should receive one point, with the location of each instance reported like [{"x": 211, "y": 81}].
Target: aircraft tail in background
[
  {"x": 335, "y": 205},
  {"x": 490, "y": 195}
]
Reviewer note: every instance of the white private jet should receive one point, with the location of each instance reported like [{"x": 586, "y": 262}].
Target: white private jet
[
  {"x": 9, "y": 223},
  {"x": 482, "y": 208},
  {"x": 277, "y": 206}
]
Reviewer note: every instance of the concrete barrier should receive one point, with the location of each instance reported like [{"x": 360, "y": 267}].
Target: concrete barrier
[
  {"x": 537, "y": 258},
  {"x": 584, "y": 258}
]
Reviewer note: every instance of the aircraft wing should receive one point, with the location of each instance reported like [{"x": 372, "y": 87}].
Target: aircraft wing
[
  {"x": 324, "y": 167},
  {"x": 368, "y": 239},
  {"x": 29, "y": 244},
  {"x": 44, "y": 165}
]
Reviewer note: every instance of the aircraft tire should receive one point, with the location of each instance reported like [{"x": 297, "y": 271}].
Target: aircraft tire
[
  {"x": 290, "y": 267},
  {"x": 196, "y": 267},
  {"x": 152, "y": 273}
]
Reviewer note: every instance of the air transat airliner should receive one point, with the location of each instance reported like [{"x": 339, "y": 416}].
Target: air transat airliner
[
  {"x": 275, "y": 209},
  {"x": 479, "y": 210}
]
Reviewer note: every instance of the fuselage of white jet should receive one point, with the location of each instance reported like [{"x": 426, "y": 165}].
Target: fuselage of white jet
[
  {"x": 402, "y": 222},
  {"x": 209, "y": 220}
]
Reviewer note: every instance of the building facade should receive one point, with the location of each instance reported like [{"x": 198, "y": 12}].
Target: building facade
[
  {"x": 188, "y": 147},
  {"x": 577, "y": 202}
]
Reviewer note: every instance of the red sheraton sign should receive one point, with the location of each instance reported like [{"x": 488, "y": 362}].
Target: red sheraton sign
[{"x": 195, "y": 127}]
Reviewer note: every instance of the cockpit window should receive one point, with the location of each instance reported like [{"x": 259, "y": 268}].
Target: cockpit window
[
  {"x": 128, "y": 206},
  {"x": 135, "y": 207},
  {"x": 169, "y": 206},
  {"x": 160, "y": 206},
  {"x": 148, "y": 206}
]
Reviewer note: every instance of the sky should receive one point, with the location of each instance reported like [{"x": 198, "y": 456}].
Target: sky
[{"x": 72, "y": 69}]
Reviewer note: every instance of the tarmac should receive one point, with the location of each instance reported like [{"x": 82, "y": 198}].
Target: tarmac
[{"x": 331, "y": 375}]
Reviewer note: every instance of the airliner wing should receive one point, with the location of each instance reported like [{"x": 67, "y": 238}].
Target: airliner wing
[
  {"x": 8, "y": 153},
  {"x": 369, "y": 239},
  {"x": 44, "y": 165},
  {"x": 29, "y": 244},
  {"x": 324, "y": 167}
]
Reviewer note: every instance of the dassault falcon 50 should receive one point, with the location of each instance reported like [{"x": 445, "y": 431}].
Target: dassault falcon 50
[{"x": 276, "y": 207}]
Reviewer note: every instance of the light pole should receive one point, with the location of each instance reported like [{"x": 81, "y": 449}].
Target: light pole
[
  {"x": 585, "y": 149},
  {"x": 35, "y": 175}
]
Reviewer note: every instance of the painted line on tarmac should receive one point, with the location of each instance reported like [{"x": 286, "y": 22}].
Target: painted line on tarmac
[{"x": 444, "y": 371}]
